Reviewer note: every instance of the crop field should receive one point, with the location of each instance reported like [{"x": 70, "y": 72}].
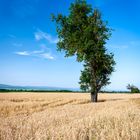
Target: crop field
[{"x": 69, "y": 116}]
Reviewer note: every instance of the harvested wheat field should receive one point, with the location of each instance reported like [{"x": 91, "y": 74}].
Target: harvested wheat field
[{"x": 69, "y": 116}]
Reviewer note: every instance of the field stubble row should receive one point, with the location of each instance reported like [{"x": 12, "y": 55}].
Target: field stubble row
[{"x": 69, "y": 116}]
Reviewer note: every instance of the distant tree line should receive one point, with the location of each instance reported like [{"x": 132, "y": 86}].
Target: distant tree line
[
  {"x": 130, "y": 87},
  {"x": 25, "y": 90}
]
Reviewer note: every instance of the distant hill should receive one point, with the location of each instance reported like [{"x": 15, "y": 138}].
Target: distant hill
[
  {"x": 2, "y": 86},
  {"x": 11, "y": 87}
]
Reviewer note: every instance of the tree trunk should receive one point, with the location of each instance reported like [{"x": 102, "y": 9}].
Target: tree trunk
[{"x": 94, "y": 96}]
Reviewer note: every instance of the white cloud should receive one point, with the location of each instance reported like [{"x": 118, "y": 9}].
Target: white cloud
[
  {"x": 37, "y": 53},
  {"x": 47, "y": 56},
  {"x": 25, "y": 53},
  {"x": 39, "y": 35}
]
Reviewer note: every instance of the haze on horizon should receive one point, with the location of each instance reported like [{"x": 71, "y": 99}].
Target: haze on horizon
[{"x": 28, "y": 55}]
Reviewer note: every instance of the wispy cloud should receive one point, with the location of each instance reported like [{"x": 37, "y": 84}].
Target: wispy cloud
[
  {"x": 43, "y": 53},
  {"x": 39, "y": 35},
  {"x": 38, "y": 52},
  {"x": 47, "y": 56},
  {"x": 24, "y": 53}
]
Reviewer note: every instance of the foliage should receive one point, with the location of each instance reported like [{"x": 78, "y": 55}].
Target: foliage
[
  {"x": 83, "y": 33},
  {"x": 133, "y": 88}
]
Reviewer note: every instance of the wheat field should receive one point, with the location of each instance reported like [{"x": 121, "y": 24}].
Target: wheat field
[{"x": 69, "y": 116}]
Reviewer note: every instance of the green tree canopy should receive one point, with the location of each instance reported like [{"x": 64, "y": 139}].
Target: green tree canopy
[
  {"x": 83, "y": 33},
  {"x": 133, "y": 88}
]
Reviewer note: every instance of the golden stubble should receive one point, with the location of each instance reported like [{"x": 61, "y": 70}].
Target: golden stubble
[{"x": 69, "y": 116}]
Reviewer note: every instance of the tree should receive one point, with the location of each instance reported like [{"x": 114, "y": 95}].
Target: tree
[
  {"x": 83, "y": 33},
  {"x": 133, "y": 88}
]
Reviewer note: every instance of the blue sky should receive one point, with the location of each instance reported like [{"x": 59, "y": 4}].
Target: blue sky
[{"x": 28, "y": 40}]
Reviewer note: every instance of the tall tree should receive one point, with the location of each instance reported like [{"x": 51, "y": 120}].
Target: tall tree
[{"x": 83, "y": 33}]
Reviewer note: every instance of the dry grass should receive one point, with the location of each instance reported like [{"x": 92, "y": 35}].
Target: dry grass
[{"x": 70, "y": 116}]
